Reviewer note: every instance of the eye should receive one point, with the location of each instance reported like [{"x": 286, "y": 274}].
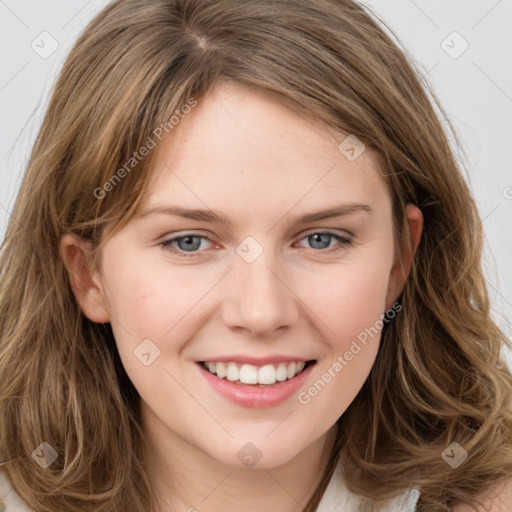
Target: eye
[
  {"x": 186, "y": 244},
  {"x": 318, "y": 240}
]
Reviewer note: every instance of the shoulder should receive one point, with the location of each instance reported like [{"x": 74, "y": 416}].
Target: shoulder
[
  {"x": 498, "y": 499},
  {"x": 9, "y": 500}
]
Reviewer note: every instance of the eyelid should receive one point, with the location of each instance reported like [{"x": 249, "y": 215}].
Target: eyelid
[{"x": 340, "y": 232}]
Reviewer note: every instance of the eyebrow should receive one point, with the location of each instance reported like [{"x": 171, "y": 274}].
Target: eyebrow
[{"x": 214, "y": 216}]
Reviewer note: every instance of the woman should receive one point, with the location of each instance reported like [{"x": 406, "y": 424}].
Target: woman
[{"x": 258, "y": 370}]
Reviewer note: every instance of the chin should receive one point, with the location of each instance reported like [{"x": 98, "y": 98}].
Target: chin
[{"x": 260, "y": 453}]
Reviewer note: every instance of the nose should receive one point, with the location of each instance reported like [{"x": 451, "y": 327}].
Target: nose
[{"x": 262, "y": 302}]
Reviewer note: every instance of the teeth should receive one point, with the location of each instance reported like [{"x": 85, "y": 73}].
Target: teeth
[
  {"x": 233, "y": 373},
  {"x": 290, "y": 371},
  {"x": 281, "y": 373},
  {"x": 219, "y": 369},
  {"x": 266, "y": 374},
  {"x": 250, "y": 374}
]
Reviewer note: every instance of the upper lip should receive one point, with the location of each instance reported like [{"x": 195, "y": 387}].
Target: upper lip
[{"x": 256, "y": 361}]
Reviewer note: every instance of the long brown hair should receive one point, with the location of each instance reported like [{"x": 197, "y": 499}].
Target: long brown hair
[{"x": 437, "y": 378}]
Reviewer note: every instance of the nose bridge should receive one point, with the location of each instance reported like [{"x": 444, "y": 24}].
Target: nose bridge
[{"x": 262, "y": 302}]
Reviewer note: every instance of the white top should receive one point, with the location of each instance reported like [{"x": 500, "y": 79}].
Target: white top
[
  {"x": 9, "y": 500},
  {"x": 336, "y": 497}
]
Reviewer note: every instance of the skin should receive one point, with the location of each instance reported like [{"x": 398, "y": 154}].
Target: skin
[{"x": 242, "y": 152}]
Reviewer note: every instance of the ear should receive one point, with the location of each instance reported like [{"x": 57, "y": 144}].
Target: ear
[
  {"x": 403, "y": 261},
  {"x": 85, "y": 282}
]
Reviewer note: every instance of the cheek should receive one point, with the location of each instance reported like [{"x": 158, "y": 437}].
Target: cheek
[
  {"x": 151, "y": 300},
  {"x": 351, "y": 297},
  {"x": 351, "y": 346},
  {"x": 140, "y": 305},
  {"x": 136, "y": 296},
  {"x": 358, "y": 327}
]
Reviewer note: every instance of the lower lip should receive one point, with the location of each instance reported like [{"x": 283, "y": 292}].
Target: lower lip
[{"x": 257, "y": 397}]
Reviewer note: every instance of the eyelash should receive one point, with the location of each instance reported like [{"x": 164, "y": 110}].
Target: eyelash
[{"x": 343, "y": 242}]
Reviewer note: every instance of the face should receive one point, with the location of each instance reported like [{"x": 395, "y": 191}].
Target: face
[{"x": 276, "y": 305}]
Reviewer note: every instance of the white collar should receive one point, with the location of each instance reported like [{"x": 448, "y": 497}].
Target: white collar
[{"x": 338, "y": 497}]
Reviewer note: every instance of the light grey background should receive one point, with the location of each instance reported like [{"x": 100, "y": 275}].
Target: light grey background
[{"x": 474, "y": 85}]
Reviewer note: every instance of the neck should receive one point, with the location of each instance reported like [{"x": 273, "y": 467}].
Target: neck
[{"x": 186, "y": 479}]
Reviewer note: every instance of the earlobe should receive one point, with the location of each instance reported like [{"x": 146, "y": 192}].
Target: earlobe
[
  {"x": 85, "y": 283},
  {"x": 403, "y": 261}
]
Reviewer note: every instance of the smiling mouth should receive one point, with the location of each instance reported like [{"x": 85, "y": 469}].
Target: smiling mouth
[{"x": 256, "y": 376}]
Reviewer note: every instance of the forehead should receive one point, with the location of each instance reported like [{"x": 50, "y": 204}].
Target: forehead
[{"x": 242, "y": 147}]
